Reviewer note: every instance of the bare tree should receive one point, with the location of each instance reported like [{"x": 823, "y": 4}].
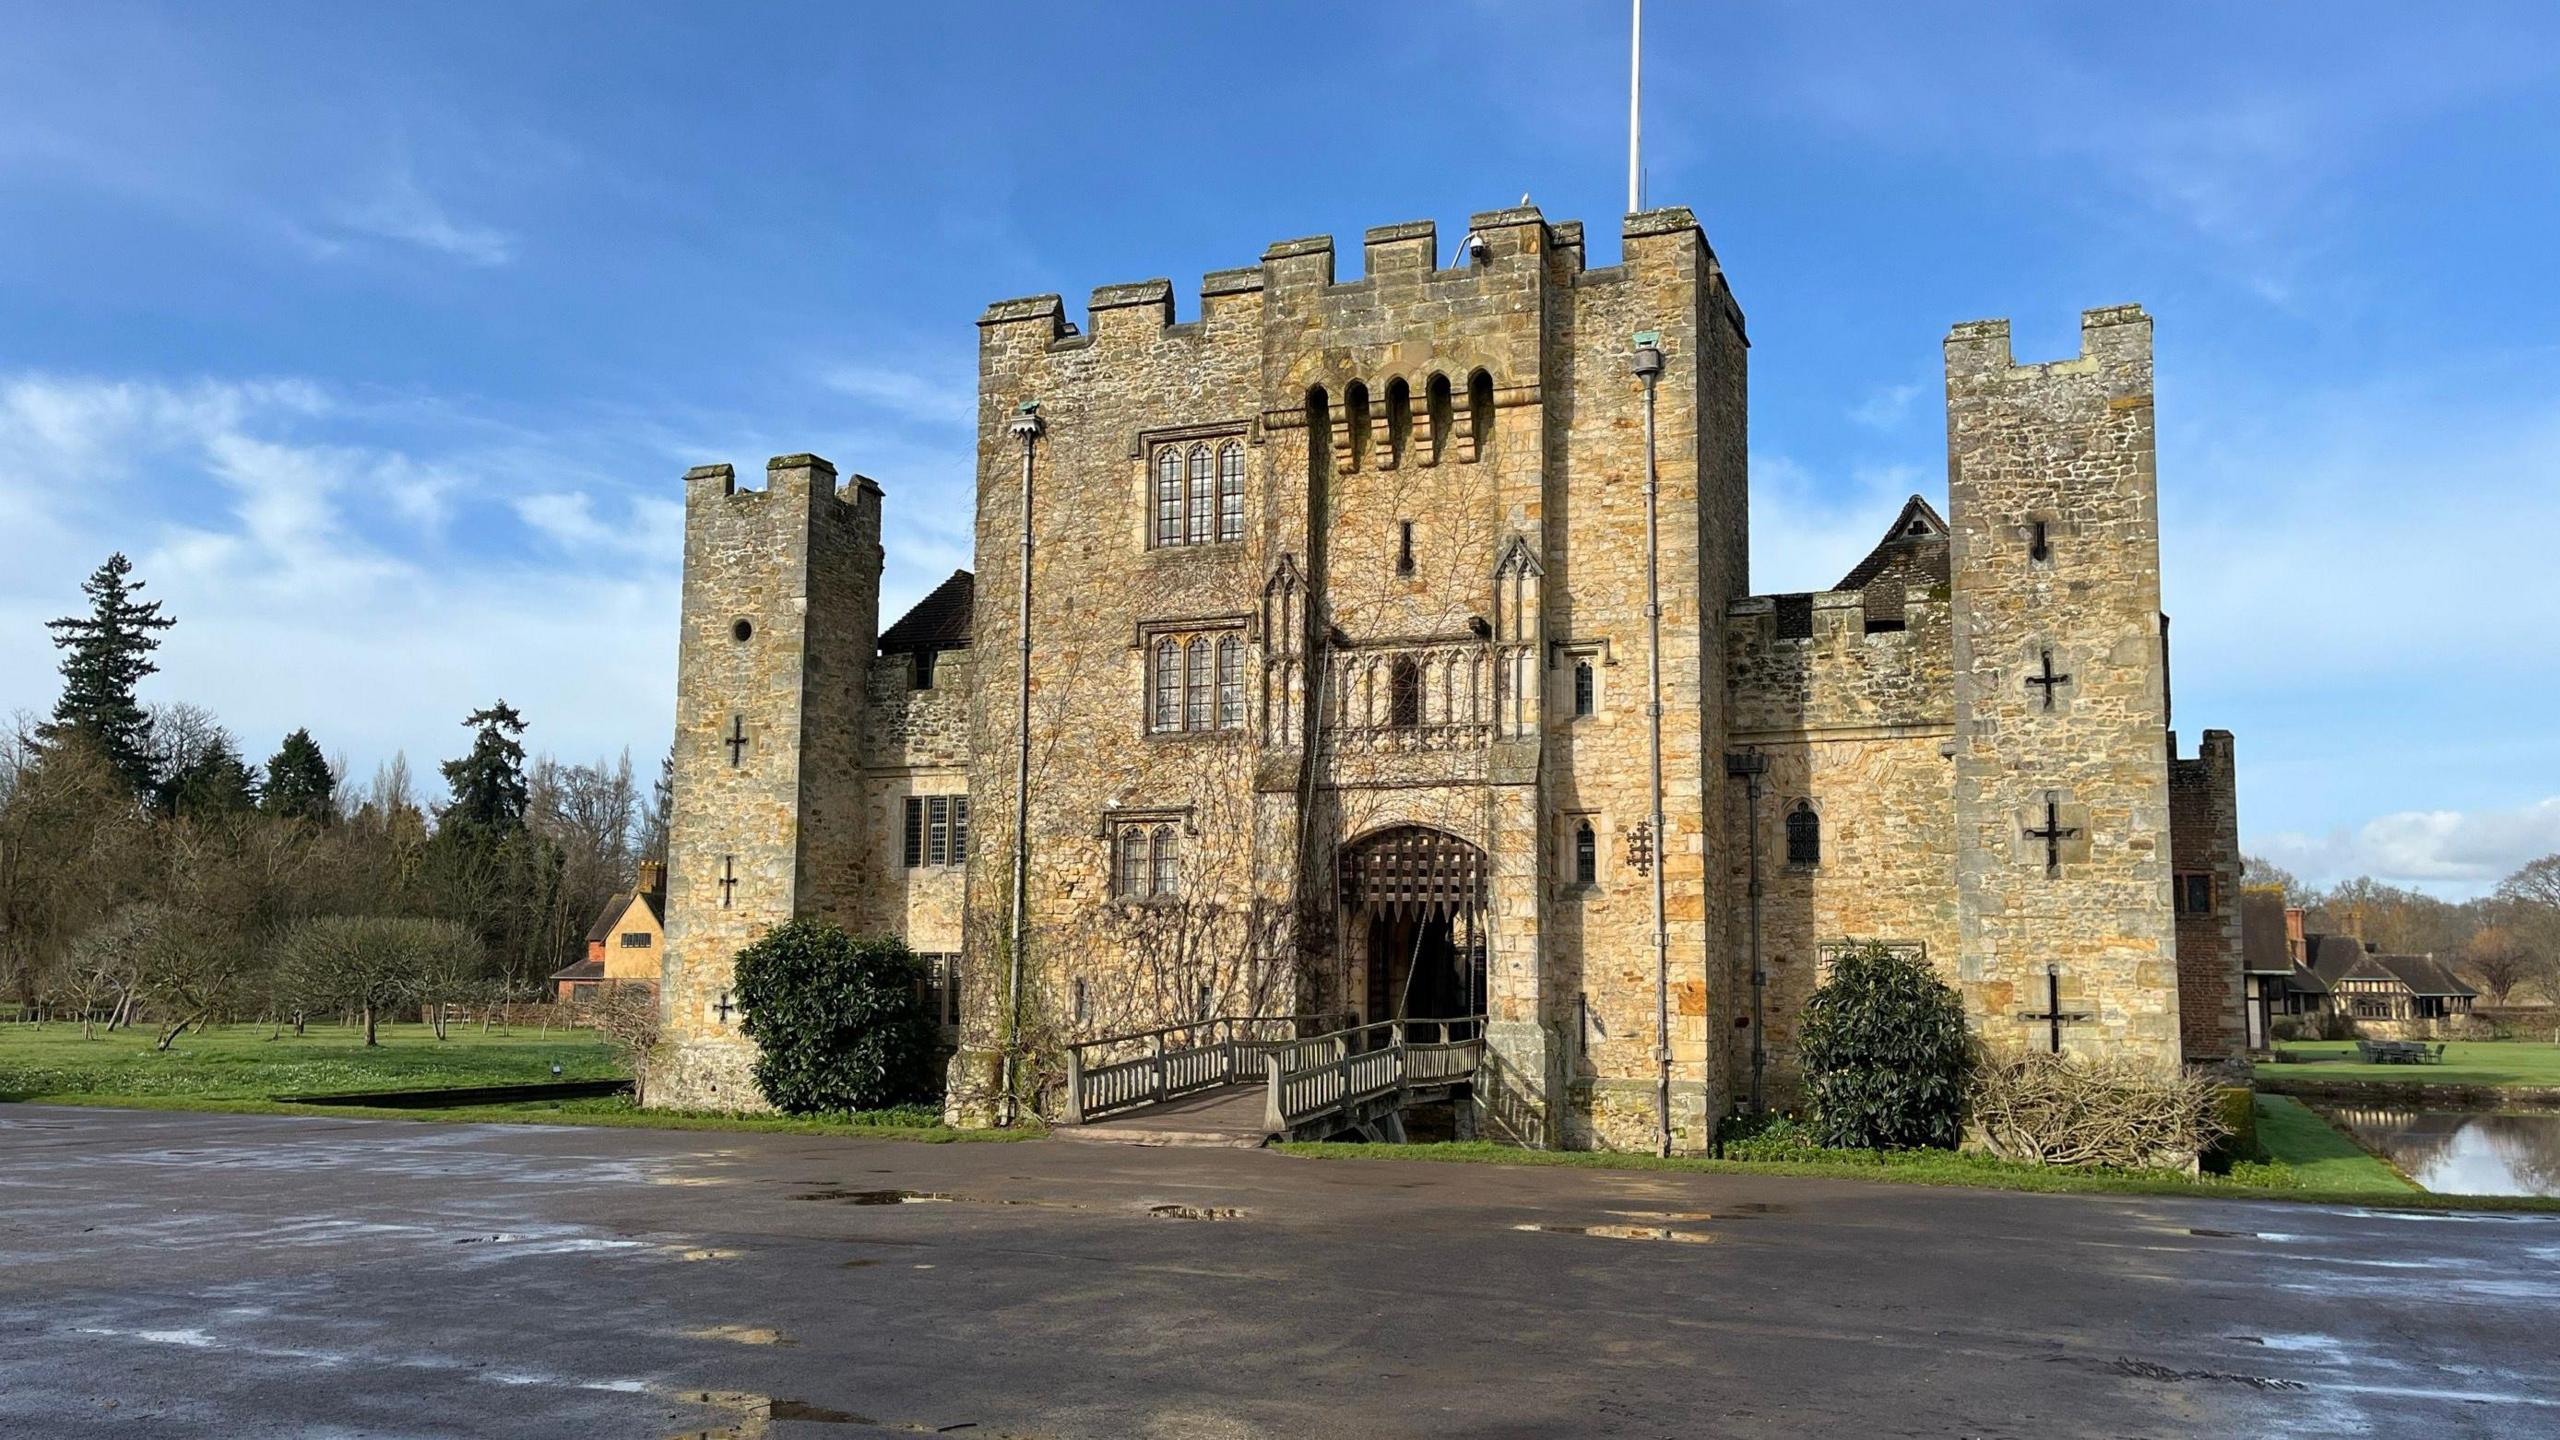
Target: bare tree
[
  {"x": 627, "y": 1017},
  {"x": 2500, "y": 960}
]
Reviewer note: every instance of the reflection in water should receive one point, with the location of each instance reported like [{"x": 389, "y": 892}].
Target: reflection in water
[{"x": 2464, "y": 1152}]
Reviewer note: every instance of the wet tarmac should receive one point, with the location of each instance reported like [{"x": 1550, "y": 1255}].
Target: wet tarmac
[{"x": 169, "y": 1274}]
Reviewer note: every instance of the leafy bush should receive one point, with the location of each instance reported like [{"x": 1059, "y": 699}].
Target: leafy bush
[
  {"x": 839, "y": 1024},
  {"x": 1767, "y": 1137},
  {"x": 2064, "y": 1110},
  {"x": 1885, "y": 1054}
]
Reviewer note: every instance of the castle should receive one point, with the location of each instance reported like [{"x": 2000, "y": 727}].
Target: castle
[{"x": 1339, "y": 674}]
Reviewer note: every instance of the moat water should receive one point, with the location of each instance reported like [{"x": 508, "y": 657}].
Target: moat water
[{"x": 2512, "y": 1151}]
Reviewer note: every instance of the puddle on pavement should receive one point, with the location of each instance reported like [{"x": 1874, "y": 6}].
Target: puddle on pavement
[
  {"x": 857, "y": 1264},
  {"x": 2223, "y": 1234},
  {"x": 1675, "y": 1217},
  {"x": 709, "y": 1254},
  {"x": 880, "y": 1197},
  {"x": 1196, "y": 1212},
  {"x": 1625, "y": 1232},
  {"x": 742, "y": 1335},
  {"x": 753, "y": 1415}
]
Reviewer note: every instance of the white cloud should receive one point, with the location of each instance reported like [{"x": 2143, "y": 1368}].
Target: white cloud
[
  {"x": 1886, "y": 406},
  {"x": 2454, "y": 851},
  {"x": 303, "y": 591},
  {"x": 906, "y": 395},
  {"x": 399, "y": 208},
  {"x": 1806, "y": 531}
]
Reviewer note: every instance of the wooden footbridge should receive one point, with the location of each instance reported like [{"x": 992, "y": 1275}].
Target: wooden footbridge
[{"x": 1249, "y": 1080}]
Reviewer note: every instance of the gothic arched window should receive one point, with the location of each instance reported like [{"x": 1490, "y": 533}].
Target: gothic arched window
[
  {"x": 1167, "y": 881},
  {"x": 1804, "y": 835},
  {"x": 1168, "y": 711},
  {"x": 1168, "y": 496},
  {"x": 1195, "y": 706},
  {"x": 1586, "y": 688},
  {"x": 1133, "y": 862},
  {"x": 1230, "y": 683},
  {"x": 1204, "y": 499},
  {"x": 1586, "y": 854},
  {"x": 1231, "y": 492}
]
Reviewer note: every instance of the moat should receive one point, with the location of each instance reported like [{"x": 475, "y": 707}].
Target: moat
[{"x": 2512, "y": 1150}]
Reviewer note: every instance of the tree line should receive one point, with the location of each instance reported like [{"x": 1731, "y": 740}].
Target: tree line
[
  {"x": 149, "y": 872},
  {"x": 2506, "y": 943}
]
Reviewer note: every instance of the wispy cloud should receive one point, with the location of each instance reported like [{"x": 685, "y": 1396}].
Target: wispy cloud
[
  {"x": 1886, "y": 406},
  {"x": 399, "y": 208},
  {"x": 909, "y": 395}
]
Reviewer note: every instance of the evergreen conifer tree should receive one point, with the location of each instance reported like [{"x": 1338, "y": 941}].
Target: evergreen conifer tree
[
  {"x": 299, "y": 782},
  {"x": 488, "y": 785},
  {"x": 215, "y": 783},
  {"x": 105, "y": 654}
]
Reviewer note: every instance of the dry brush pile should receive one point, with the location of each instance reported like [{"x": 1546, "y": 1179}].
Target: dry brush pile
[{"x": 2065, "y": 1110}]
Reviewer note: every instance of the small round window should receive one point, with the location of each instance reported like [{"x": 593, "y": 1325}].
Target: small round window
[{"x": 742, "y": 631}]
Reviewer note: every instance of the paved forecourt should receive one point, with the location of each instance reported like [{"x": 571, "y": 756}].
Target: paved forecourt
[{"x": 232, "y": 1276}]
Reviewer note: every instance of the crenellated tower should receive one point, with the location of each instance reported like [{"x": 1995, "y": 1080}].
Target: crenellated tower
[
  {"x": 779, "y": 623},
  {"x": 2061, "y": 719}
]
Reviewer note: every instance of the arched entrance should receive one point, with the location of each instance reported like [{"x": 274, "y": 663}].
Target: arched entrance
[{"x": 1413, "y": 903}]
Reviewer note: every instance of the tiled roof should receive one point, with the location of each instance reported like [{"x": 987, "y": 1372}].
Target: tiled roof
[
  {"x": 2424, "y": 974},
  {"x": 939, "y": 621},
  {"x": 2262, "y": 949},
  {"x": 602, "y": 930},
  {"x": 583, "y": 970},
  {"x": 1916, "y": 544}
]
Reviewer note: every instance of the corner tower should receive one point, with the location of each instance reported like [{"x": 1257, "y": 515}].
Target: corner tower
[
  {"x": 780, "y": 618},
  {"x": 2061, "y": 763}
]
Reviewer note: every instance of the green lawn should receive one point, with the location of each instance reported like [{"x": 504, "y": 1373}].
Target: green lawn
[
  {"x": 2307, "y": 1161},
  {"x": 239, "y": 1069},
  {"x": 243, "y": 1062},
  {"x": 2466, "y": 1062},
  {"x": 2318, "y": 1156}
]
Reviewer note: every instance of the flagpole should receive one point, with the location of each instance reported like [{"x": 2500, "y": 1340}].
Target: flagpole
[{"x": 1635, "y": 112}]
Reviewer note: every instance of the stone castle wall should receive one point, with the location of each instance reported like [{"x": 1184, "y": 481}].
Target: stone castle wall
[
  {"x": 1537, "y": 456},
  {"x": 780, "y": 589},
  {"x": 1858, "y": 725},
  {"x": 914, "y": 742},
  {"x": 2063, "y": 450}
]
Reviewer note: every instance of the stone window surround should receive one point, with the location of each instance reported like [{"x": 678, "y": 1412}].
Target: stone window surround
[
  {"x": 1787, "y": 808},
  {"x": 1179, "y": 822},
  {"x": 1149, "y": 447},
  {"x": 1564, "y": 655},
  {"x": 1213, "y": 629},
  {"x": 1569, "y": 825}
]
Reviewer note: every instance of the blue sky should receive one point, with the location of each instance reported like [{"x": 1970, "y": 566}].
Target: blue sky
[{"x": 379, "y": 336}]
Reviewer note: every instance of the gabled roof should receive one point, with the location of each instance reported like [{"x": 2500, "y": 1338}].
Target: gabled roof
[
  {"x": 2424, "y": 974},
  {"x": 602, "y": 930},
  {"x": 939, "y": 621},
  {"x": 2262, "y": 948},
  {"x": 583, "y": 970},
  {"x": 1916, "y": 543}
]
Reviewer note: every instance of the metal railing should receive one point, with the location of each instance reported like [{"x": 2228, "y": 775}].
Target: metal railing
[
  {"x": 1172, "y": 1061},
  {"x": 1327, "y": 1074}
]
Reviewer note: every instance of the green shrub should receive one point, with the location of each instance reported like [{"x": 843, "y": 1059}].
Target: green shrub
[
  {"x": 1885, "y": 1054},
  {"x": 1766, "y": 1137},
  {"x": 840, "y": 1024}
]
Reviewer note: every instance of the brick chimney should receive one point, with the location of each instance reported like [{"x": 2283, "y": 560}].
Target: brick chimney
[
  {"x": 2293, "y": 933},
  {"x": 653, "y": 878}
]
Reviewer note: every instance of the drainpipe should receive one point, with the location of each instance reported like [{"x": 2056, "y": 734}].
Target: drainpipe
[
  {"x": 1647, "y": 366},
  {"x": 1751, "y": 765},
  {"x": 1026, "y": 427}
]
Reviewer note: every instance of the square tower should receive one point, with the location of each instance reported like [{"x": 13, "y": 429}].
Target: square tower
[
  {"x": 780, "y": 618},
  {"x": 2061, "y": 763}
]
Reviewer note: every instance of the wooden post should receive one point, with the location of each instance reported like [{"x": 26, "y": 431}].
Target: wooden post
[{"x": 1157, "y": 1041}]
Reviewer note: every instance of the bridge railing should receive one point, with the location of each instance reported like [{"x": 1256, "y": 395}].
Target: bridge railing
[
  {"x": 1325, "y": 1074},
  {"x": 1143, "y": 1067}
]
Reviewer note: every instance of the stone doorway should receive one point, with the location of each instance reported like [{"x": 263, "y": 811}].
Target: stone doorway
[{"x": 1413, "y": 906}]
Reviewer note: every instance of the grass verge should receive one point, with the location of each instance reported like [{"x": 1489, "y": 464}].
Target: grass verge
[
  {"x": 2517, "y": 1064},
  {"x": 237, "y": 1069},
  {"x": 2304, "y": 1168}
]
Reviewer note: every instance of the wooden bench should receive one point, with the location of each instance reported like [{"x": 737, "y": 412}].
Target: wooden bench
[{"x": 2399, "y": 1052}]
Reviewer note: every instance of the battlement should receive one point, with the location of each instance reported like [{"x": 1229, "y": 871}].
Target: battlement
[
  {"x": 809, "y": 479},
  {"x": 1810, "y": 662},
  {"x": 1496, "y": 262},
  {"x": 2111, "y": 337}
]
